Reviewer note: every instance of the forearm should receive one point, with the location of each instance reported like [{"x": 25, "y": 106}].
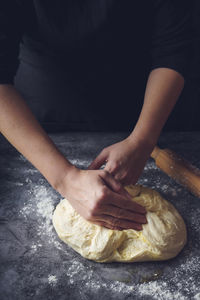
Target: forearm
[
  {"x": 23, "y": 131},
  {"x": 163, "y": 89}
]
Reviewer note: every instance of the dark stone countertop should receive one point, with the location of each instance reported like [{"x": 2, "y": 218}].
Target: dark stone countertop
[{"x": 35, "y": 264}]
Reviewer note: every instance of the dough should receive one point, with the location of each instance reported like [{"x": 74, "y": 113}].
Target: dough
[{"x": 162, "y": 238}]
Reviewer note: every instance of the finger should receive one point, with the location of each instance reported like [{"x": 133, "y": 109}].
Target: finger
[
  {"x": 126, "y": 180},
  {"x": 122, "y": 202},
  {"x": 111, "y": 167},
  {"x": 123, "y": 214},
  {"x": 115, "y": 222},
  {"x": 108, "y": 226},
  {"x": 109, "y": 180},
  {"x": 98, "y": 161},
  {"x": 114, "y": 185}
]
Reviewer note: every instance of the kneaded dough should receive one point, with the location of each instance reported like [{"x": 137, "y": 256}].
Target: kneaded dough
[{"x": 162, "y": 238}]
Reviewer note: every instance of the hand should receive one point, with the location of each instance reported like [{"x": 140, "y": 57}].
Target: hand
[
  {"x": 100, "y": 199},
  {"x": 124, "y": 160}
]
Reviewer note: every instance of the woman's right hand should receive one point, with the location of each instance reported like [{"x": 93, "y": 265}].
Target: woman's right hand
[{"x": 100, "y": 199}]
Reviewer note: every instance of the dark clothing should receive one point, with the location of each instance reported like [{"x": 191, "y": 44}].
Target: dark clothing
[{"x": 84, "y": 63}]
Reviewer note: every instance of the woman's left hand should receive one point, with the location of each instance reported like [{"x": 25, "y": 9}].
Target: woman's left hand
[{"x": 125, "y": 160}]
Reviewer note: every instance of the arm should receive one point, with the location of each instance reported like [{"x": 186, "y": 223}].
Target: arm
[
  {"x": 170, "y": 53},
  {"x": 95, "y": 194},
  {"x": 163, "y": 89},
  {"x": 127, "y": 158},
  {"x": 22, "y": 130}
]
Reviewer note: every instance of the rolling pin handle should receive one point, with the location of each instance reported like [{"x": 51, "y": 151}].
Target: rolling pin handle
[{"x": 178, "y": 168}]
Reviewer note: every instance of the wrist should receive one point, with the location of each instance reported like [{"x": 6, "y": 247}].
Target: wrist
[
  {"x": 143, "y": 141},
  {"x": 70, "y": 174}
]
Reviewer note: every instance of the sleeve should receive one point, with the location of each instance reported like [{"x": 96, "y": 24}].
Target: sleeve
[
  {"x": 172, "y": 35},
  {"x": 10, "y": 36}
]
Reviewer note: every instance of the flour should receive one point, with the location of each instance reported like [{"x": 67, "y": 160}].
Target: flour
[
  {"x": 19, "y": 184},
  {"x": 34, "y": 248},
  {"x": 40, "y": 206},
  {"x": 197, "y": 296},
  {"x": 159, "y": 291},
  {"x": 27, "y": 180},
  {"x": 157, "y": 183},
  {"x": 150, "y": 166},
  {"x": 80, "y": 163},
  {"x": 154, "y": 290},
  {"x": 52, "y": 280}
]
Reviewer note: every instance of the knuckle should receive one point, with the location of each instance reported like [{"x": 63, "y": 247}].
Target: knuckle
[
  {"x": 111, "y": 171},
  {"x": 105, "y": 173},
  {"x": 116, "y": 222},
  {"x": 118, "y": 187},
  {"x": 112, "y": 227},
  {"x": 96, "y": 207},
  {"x": 89, "y": 216},
  {"x": 103, "y": 193},
  {"x": 112, "y": 168},
  {"x": 120, "y": 213},
  {"x": 92, "y": 212},
  {"x": 114, "y": 165},
  {"x": 118, "y": 178}
]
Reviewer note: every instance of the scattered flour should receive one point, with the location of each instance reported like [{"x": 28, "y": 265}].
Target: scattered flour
[
  {"x": 41, "y": 205},
  {"x": 34, "y": 247},
  {"x": 151, "y": 165},
  {"x": 197, "y": 296},
  {"x": 158, "y": 290},
  {"x": 28, "y": 180},
  {"x": 21, "y": 157},
  {"x": 52, "y": 280},
  {"x": 19, "y": 184},
  {"x": 79, "y": 163}
]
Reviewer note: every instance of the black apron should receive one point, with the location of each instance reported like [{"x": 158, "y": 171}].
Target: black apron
[{"x": 97, "y": 87}]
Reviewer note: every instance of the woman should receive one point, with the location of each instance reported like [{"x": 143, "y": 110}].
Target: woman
[{"x": 89, "y": 65}]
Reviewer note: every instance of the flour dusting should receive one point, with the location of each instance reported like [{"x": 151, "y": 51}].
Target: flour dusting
[
  {"x": 52, "y": 280},
  {"x": 40, "y": 207},
  {"x": 197, "y": 296}
]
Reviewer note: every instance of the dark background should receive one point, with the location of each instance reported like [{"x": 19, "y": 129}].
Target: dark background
[{"x": 186, "y": 114}]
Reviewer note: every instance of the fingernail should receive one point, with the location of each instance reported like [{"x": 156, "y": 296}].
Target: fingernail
[
  {"x": 139, "y": 228},
  {"x": 144, "y": 220},
  {"x": 128, "y": 195},
  {"x": 143, "y": 210},
  {"x": 119, "y": 228}
]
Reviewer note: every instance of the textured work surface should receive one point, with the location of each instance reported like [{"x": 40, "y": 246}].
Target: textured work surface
[{"x": 35, "y": 264}]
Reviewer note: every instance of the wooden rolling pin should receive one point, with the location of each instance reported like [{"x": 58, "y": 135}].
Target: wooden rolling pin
[{"x": 178, "y": 168}]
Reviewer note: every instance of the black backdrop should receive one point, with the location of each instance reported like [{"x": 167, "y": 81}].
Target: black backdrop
[{"x": 186, "y": 114}]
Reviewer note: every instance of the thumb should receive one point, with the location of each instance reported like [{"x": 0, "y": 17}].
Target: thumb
[
  {"x": 115, "y": 185},
  {"x": 98, "y": 161}
]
